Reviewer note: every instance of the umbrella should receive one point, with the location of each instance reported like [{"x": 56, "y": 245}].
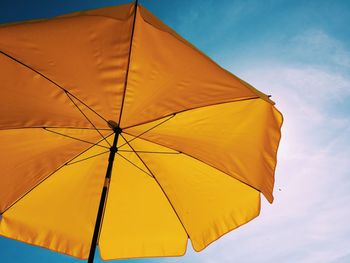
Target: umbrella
[{"x": 117, "y": 132}]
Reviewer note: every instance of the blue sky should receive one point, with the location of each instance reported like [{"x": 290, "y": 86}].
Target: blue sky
[{"x": 297, "y": 51}]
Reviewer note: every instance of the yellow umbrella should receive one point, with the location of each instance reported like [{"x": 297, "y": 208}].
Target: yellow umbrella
[{"x": 188, "y": 146}]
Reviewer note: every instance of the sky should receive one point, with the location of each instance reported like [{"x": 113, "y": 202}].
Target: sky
[{"x": 296, "y": 51}]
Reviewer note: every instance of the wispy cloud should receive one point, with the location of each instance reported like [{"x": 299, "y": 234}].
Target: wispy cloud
[{"x": 317, "y": 44}]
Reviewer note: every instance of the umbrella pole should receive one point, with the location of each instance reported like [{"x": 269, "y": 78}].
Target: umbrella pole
[{"x": 112, "y": 153}]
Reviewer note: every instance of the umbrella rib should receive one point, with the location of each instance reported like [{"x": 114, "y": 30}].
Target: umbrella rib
[
  {"x": 53, "y": 82},
  {"x": 142, "y": 133},
  {"x": 129, "y": 58},
  {"x": 87, "y": 158},
  {"x": 52, "y": 127},
  {"x": 197, "y": 160},
  {"x": 155, "y": 179},
  {"x": 86, "y": 117},
  {"x": 50, "y": 174},
  {"x": 77, "y": 139},
  {"x": 141, "y": 151},
  {"x": 126, "y": 159},
  {"x": 189, "y": 109}
]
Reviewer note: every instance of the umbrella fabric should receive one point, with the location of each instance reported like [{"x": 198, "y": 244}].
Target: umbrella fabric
[{"x": 198, "y": 144}]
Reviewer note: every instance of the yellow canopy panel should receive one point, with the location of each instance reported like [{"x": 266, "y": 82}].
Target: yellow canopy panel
[{"x": 196, "y": 148}]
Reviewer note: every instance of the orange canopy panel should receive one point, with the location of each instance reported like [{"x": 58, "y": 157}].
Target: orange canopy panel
[{"x": 193, "y": 148}]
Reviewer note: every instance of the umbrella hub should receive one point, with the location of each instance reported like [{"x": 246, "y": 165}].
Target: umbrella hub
[{"x": 114, "y": 126}]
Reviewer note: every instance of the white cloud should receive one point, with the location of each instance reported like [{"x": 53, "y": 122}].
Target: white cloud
[{"x": 318, "y": 44}]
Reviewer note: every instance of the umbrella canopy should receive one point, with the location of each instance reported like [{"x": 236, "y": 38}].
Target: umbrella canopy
[{"x": 188, "y": 147}]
